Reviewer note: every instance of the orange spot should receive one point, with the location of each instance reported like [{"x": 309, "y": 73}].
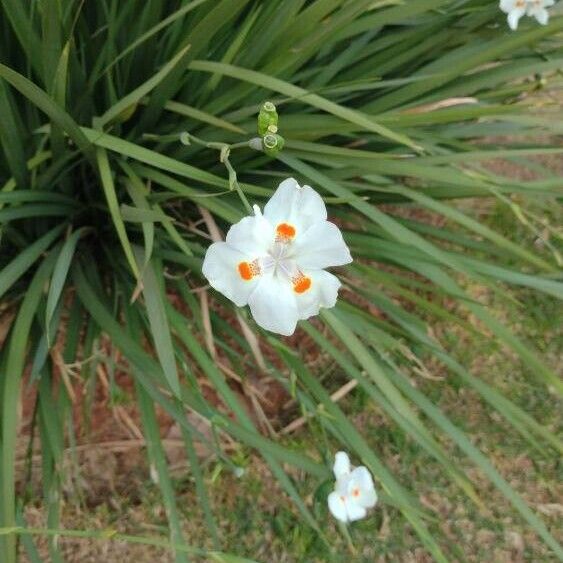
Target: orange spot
[
  {"x": 356, "y": 492},
  {"x": 285, "y": 231},
  {"x": 247, "y": 270},
  {"x": 302, "y": 284}
]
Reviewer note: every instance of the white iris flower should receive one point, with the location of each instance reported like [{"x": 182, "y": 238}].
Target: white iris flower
[
  {"x": 275, "y": 261},
  {"x": 353, "y": 491},
  {"x": 517, "y": 8}
]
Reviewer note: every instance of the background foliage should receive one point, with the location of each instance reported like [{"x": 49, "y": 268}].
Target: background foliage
[{"x": 382, "y": 103}]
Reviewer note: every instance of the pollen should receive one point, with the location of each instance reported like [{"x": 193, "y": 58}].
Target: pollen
[
  {"x": 285, "y": 232},
  {"x": 301, "y": 284},
  {"x": 248, "y": 270}
]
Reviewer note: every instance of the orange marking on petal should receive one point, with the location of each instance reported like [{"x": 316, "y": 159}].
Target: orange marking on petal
[
  {"x": 356, "y": 492},
  {"x": 245, "y": 271},
  {"x": 285, "y": 232},
  {"x": 248, "y": 270},
  {"x": 302, "y": 284}
]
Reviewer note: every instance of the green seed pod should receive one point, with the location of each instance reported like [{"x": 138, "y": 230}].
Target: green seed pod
[
  {"x": 273, "y": 144},
  {"x": 267, "y": 117}
]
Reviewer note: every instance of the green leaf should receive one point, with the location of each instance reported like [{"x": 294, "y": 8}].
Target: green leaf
[
  {"x": 60, "y": 274},
  {"x": 155, "y": 299},
  {"x": 113, "y": 205},
  {"x": 25, "y": 259},
  {"x": 14, "y": 365},
  {"x": 122, "y": 107},
  {"x": 45, "y": 103}
]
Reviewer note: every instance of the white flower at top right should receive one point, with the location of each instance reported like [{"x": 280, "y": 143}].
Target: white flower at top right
[{"x": 518, "y": 8}]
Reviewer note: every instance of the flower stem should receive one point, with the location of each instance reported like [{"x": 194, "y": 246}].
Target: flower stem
[
  {"x": 233, "y": 183},
  {"x": 225, "y": 150},
  {"x": 346, "y": 533}
]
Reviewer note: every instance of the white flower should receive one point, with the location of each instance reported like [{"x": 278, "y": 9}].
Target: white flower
[
  {"x": 275, "y": 262},
  {"x": 353, "y": 491},
  {"x": 517, "y": 8}
]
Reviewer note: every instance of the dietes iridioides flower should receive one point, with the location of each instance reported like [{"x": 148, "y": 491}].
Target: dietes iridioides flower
[
  {"x": 353, "y": 491},
  {"x": 275, "y": 262},
  {"x": 518, "y": 8}
]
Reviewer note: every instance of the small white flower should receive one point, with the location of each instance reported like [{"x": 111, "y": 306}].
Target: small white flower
[
  {"x": 517, "y": 8},
  {"x": 275, "y": 262},
  {"x": 353, "y": 491}
]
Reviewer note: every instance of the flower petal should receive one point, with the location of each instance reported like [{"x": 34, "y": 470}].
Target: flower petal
[
  {"x": 252, "y": 235},
  {"x": 220, "y": 267},
  {"x": 514, "y": 16},
  {"x": 273, "y": 305},
  {"x": 322, "y": 293},
  {"x": 297, "y": 206},
  {"x": 337, "y": 507},
  {"x": 507, "y": 5},
  {"x": 321, "y": 246},
  {"x": 542, "y": 16},
  {"x": 355, "y": 511},
  {"x": 341, "y": 465},
  {"x": 362, "y": 480}
]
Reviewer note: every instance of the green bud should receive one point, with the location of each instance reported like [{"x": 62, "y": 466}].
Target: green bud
[
  {"x": 273, "y": 144},
  {"x": 267, "y": 117}
]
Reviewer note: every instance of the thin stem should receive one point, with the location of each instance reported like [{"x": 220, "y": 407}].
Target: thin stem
[
  {"x": 346, "y": 533},
  {"x": 233, "y": 181},
  {"x": 225, "y": 150},
  {"x": 240, "y": 145}
]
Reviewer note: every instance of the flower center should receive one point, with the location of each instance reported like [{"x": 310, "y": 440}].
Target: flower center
[{"x": 278, "y": 261}]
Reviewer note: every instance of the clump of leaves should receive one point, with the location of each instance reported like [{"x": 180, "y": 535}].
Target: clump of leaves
[{"x": 101, "y": 212}]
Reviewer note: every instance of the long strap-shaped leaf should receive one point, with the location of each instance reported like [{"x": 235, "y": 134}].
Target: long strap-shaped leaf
[
  {"x": 276, "y": 85},
  {"x": 45, "y": 103},
  {"x": 25, "y": 259},
  {"x": 134, "y": 97},
  {"x": 113, "y": 206},
  {"x": 10, "y": 380}
]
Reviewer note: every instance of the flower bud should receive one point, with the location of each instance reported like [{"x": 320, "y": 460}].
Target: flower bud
[
  {"x": 272, "y": 144},
  {"x": 267, "y": 117}
]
